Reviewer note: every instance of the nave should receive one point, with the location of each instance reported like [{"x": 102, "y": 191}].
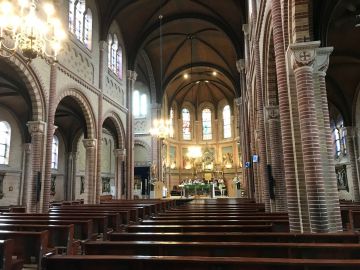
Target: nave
[{"x": 176, "y": 234}]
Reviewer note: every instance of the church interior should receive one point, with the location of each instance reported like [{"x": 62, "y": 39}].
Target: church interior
[{"x": 183, "y": 134}]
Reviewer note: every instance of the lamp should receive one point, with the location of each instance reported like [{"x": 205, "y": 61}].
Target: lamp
[
  {"x": 23, "y": 30},
  {"x": 194, "y": 153},
  {"x": 161, "y": 129}
]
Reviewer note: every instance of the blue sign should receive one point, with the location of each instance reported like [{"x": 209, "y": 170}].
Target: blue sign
[
  {"x": 255, "y": 158},
  {"x": 247, "y": 164}
]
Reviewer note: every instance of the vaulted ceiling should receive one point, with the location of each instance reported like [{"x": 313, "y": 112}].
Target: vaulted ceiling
[{"x": 197, "y": 37}]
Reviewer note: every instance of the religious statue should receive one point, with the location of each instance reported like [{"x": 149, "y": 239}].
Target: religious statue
[{"x": 154, "y": 171}]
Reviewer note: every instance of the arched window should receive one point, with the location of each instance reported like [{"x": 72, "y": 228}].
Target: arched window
[
  {"x": 206, "y": 124},
  {"x": 139, "y": 104},
  {"x": 5, "y": 137},
  {"x": 80, "y": 21},
  {"x": 227, "y": 121},
  {"x": 55, "y": 153},
  {"x": 115, "y": 56},
  {"x": 186, "y": 124},
  {"x": 339, "y": 137},
  {"x": 171, "y": 125}
]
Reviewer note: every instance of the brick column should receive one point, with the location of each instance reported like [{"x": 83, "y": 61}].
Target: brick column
[
  {"x": 36, "y": 130},
  {"x": 102, "y": 54},
  {"x": 260, "y": 118},
  {"x": 49, "y": 138},
  {"x": 326, "y": 142},
  {"x": 90, "y": 169},
  {"x": 294, "y": 207},
  {"x": 27, "y": 173},
  {"x": 130, "y": 135},
  {"x": 276, "y": 158},
  {"x": 72, "y": 174},
  {"x": 302, "y": 60},
  {"x": 119, "y": 158},
  {"x": 350, "y": 139}
]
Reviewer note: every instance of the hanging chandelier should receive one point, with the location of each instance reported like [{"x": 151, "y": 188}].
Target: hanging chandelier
[
  {"x": 30, "y": 31},
  {"x": 161, "y": 129}
]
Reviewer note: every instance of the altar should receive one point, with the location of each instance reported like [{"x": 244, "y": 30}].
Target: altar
[{"x": 201, "y": 189}]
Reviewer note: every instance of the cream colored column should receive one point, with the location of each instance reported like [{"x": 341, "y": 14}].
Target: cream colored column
[
  {"x": 119, "y": 158},
  {"x": 90, "y": 169}
]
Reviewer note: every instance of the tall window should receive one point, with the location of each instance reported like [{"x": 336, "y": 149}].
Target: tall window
[
  {"x": 171, "y": 118},
  {"x": 115, "y": 56},
  {"x": 80, "y": 21},
  {"x": 227, "y": 121},
  {"x": 206, "y": 123},
  {"x": 339, "y": 137},
  {"x": 5, "y": 136},
  {"x": 139, "y": 104},
  {"x": 186, "y": 124},
  {"x": 55, "y": 153}
]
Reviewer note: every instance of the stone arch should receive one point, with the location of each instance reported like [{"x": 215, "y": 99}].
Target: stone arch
[
  {"x": 114, "y": 117},
  {"x": 33, "y": 83},
  {"x": 85, "y": 107},
  {"x": 145, "y": 145}
]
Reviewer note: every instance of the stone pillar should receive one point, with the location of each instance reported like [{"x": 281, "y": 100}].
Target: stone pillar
[
  {"x": 326, "y": 142},
  {"x": 130, "y": 136},
  {"x": 102, "y": 54},
  {"x": 90, "y": 169},
  {"x": 72, "y": 174},
  {"x": 351, "y": 133},
  {"x": 155, "y": 143},
  {"x": 294, "y": 208},
  {"x": 119, "y": 158},
  {"x": 27, "y": 174},
  {"x": 302, "y": 60},
  {"x": 260, "y": 118},
  {"x": 36, "y": 130},
  {"x": 49, "y": 138},
  {"x": 276, "y": 158}
]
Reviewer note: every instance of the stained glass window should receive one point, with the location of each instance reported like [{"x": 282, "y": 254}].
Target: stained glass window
[
  {"x": 5, "y": 137},
  {"x": 171, "y": 123},
  {"x": 55, "y": 153},
  {"x": 88, "y": 29},
  {"x": 80, "y": 21},
  {"x": 206, "y": 123},
  {"x": 139, "y": 104},
  {"x": 227, "y": 121},
  {"x": 186, "y": 124}
]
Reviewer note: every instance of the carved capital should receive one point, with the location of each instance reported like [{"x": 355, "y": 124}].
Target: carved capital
[
  {"x": 120, "y": 153},
  {"x": 322, "y": 59},
  {"x": 103, "y": 46},
  {"x": 272, "y": 112},
  {"x": 303, "y": 54},
  {"x": 238, "y": 101},
  {"x": 132, "y": 75},
  {"x": 36, "y": 127},
  {"x": 246, "y": 29},
  {"x": 89, "y": 143},
  {"x": 240, "y": 65},
  {"x": 27, "y": 148}
]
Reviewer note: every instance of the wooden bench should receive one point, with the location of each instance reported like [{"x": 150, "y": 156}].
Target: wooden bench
[
  {"x": 200, "y": 228},
  {"x": 226, "y": 249},
  {"x": 237, "y": 237},
  {"x": 7, "y": 248},
  {"x": 28, "y": 245},
  {"x": 118, "y": 262},
  {"x": 61, "y": 237}
]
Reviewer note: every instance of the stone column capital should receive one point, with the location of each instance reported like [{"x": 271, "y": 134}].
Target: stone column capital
[
  {"x": 238, "y": 101},
  {"x": 120, "y": 153},
  {"x": 132, "y": 75},
  {"x": 89, "y": 143},
  {"x": 103, "y": 45},
  {"x": 240, "y": 65},
  {"x": 36, "y": 127},
  {"x": 322, "y": 59},
  {"x": 246, "y": 29},
  {"x": 272, "y": 112},
  {"x": 27, "y": 148},
  {"x": 303, "y": 54}
]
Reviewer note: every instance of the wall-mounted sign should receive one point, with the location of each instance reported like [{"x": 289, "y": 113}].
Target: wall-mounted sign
[
  {"x": 255, "y": 158},
  {"x": 247, "y": 164}
]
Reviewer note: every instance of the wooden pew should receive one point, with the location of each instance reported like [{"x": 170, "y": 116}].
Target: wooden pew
[
  {"x": 7, "y": 248},
  {"x": 28, "y": 245},
  {"x": 226, "y": 249},
  {"x": 211, "y": 217},
  {"x": 99, "y": 226},
  {"x": 118, "y": 262},
  {"x": 201, "y": 228},
  {"x": 61, "y": 237},
  {"x": 238, "y": 237},
  {"x": 82, "y": 228}
]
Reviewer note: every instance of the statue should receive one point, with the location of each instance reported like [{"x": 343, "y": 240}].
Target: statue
[{"x": 154, "y": 171}]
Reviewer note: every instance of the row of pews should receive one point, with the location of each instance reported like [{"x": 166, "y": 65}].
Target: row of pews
[
  {"x": 212, "y": 234},
  {"x": 162, "y": 234}
]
